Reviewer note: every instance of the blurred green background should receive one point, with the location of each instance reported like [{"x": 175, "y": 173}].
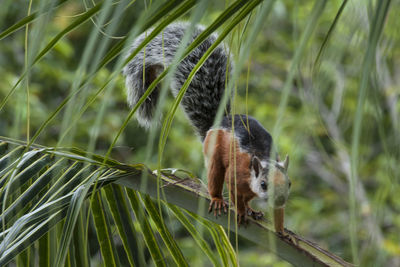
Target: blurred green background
[{"x": 316, "y": 129}]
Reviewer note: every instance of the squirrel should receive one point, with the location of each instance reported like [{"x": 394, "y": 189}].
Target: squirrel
[{"x": 238, "y": 150}]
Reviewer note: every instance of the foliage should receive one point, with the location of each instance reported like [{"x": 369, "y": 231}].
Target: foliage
[{"x": 321, "y": 76}]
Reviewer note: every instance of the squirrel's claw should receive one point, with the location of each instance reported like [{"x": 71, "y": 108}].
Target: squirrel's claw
[
  {"x": 242, "y": 217},
  {"x": 256, "y": 215},
  {"x": 217, "y": 204}
]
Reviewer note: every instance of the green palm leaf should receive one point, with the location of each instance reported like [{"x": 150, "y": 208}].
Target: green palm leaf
[
  {"x": 68, "y": 206},
  {"x": 88, "y": 174}
]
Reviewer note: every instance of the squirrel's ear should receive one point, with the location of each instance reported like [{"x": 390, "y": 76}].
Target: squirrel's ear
[
  {"x": 286, "y": 162},
  {"x": 256, "y": 165},
  {"x": 278, "y": 159}
]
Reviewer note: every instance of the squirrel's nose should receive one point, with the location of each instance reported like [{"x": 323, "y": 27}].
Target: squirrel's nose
[{"x": 279, "y": 201}]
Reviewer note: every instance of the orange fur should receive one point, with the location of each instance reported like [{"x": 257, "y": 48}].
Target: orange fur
[
  {"x": 278, "y": 179},
  {"x": 222, "y": 155}
]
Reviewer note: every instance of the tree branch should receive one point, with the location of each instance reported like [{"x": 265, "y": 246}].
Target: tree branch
[{"x": 190, "y": 195}]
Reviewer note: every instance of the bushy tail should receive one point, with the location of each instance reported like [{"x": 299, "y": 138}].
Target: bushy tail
[{"x": 203, "y": 96}]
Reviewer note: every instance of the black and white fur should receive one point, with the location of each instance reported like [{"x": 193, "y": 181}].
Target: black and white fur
[{"x": 205, "y": 93}]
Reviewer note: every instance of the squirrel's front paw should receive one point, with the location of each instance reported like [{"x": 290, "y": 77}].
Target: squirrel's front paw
[
  {"x": 256, "y": 215},
  {"x": 217, "y": 204}
]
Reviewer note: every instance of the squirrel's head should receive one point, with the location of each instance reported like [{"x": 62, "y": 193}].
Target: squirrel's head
[{"x": 271, "y": 181}]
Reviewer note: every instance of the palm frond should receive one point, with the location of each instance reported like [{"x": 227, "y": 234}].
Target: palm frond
[
  {"x": 330, "y": 66},
  {"x": 90, "y": 176}
]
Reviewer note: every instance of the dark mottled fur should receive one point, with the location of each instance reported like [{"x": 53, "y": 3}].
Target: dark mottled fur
[
  {"x": 252, "y": 136},
  {"x": 203, "y": 96}
]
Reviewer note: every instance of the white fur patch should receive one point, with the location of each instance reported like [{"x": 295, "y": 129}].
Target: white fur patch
[
  {"x": 255, "y": 185},
  {"x": 264, "y": 163}
]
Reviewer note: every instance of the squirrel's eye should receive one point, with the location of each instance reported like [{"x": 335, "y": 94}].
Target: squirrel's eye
[
  {"x": 263, "y": 185},
  {"x": 290, "y": 184}
]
